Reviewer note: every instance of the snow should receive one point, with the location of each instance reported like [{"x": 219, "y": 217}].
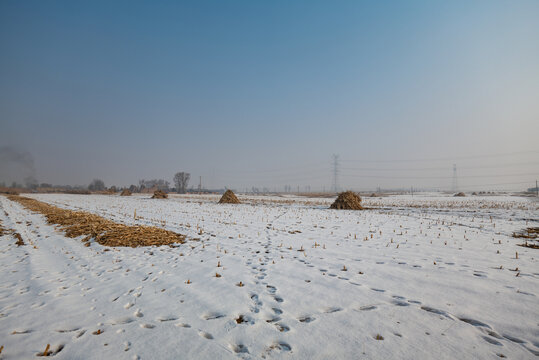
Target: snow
[{"x": 432, "y": 275}]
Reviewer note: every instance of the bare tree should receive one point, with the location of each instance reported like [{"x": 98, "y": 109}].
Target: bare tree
[
  {"x": 157, "y": 183},
  {"x": 181, "y": 180},
  {"x": 97, "y": 185},
  {"x": 30, "y": 182}
]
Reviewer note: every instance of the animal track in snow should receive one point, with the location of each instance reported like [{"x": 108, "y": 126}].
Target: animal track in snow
[
  {"x": 183, "y": 325},
  {"x": 212, "y": 315},
  {"x": 306, "y": 319},
  {"x": 205, "y": 335},
  {"x": 238, "y": 348}
]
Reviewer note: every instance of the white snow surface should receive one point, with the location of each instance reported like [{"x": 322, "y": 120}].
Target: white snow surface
[{"x": 430, "y": 276}]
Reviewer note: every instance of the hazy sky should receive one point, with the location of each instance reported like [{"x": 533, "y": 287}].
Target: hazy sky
[{"x": 252, "y": 93}]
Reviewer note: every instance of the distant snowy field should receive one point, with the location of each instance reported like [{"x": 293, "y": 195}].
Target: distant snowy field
[{"x": 429, "y": 276}]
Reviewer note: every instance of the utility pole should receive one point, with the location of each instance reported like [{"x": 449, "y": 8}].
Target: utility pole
[
  {"x": 536, "y": 189},
  {"x": 455, "y": 184},
  {"x": 200, "y": 184},
  {"x": 335, "y": 172}
]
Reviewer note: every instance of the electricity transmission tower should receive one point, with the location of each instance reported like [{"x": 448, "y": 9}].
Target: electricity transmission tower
[
  {"x": 335, "y": 172},
  {"x": 455, "y": 187}
]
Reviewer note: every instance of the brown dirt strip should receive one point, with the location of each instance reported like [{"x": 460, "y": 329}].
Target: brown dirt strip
[{"x": 104, "y": 231}]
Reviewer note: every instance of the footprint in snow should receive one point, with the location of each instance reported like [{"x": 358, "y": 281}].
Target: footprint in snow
[
  {"x": 205, "y": 335},
  {"x": 280, "y": 346},
  {"x": 238, "y": 348},
  {"x": 306, "y": 319},
  {"x": 435, "y": 311},
  {"x": 212, "y": 315},
  {"x": 183, "y": 325},
  {"x": 277, "y": 311},
  {"x": 331, "y": 309},
  {"x": 79, "y": 334},
  {"x": 513, "y": 339},
  {"x": 122, "y": 320},
  {"x": 67, "y": 329},
  {"x": 165, "y": 318},
  {"x": 473, "y": 322},
  {"x": 492, "y": 341},
  {"x": 400, "y": 303}
]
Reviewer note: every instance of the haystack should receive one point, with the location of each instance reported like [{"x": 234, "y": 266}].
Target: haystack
[
  {"x": 460, "y": 194},
  {"x": 159, "y": 194},
  {"x": 229, "y": 198},
  {"x": 126, "y": 192},
  {"x": 347, "y": 200}
]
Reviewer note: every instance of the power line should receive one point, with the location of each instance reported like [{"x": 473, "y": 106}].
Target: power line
[
  {"x": 438, "y": 177},
  {"x": 449, "y": 158},
  {"x": 444, "y": 168},
  {"x": 498, "y": 184}
]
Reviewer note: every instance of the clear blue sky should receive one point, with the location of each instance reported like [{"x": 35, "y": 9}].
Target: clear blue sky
[{"x": 251, "y": 93}]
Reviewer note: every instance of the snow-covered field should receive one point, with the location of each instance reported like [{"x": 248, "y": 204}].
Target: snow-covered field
[{"x": 411, "y": 278}]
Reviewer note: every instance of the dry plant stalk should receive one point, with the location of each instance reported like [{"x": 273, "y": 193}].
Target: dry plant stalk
[
  {"x": 104, "y": 231},
  {"x": 19, "y": 241},
  {"x": 46, "y": 352}
]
